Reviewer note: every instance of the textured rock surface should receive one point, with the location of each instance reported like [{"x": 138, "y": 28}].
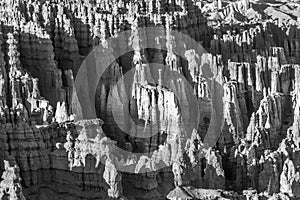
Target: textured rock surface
[
  {"x": 10, "y": 186},
  {"x": 246, "y": 82}
]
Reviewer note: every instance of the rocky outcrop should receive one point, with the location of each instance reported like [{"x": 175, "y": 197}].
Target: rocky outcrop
[
  {"x": 223, "y": 119},
  {"x": 10, "y": 185}
]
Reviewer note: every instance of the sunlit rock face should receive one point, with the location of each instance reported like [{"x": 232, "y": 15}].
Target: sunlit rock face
[{"x": 171, "y": 121}]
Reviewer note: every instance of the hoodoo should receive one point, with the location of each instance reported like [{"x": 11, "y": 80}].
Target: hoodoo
[{"x": 153, "y": 99}]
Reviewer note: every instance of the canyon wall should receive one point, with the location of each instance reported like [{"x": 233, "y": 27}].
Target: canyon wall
[{"x": 222, "y": 119}]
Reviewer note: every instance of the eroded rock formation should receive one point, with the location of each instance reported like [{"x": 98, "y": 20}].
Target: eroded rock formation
[{"x": 224, "y": 116}]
